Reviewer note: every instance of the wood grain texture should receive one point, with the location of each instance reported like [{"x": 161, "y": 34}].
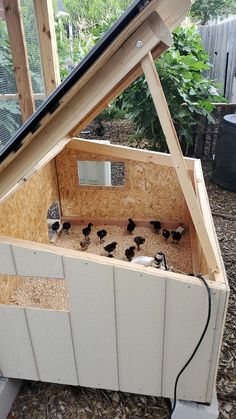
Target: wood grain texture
[
  {"x": 51, "y": 339},
  {"x": 123, "y": 152},
  {"x": 24, "y": 214},
  {"x": 140, "y": 301},
  {"x": 19, "y": 56},
  {"x": 90, "y": 96},
  {"x": 16, "y": 354},
  {"x": 185, "y": 319},
  {"x": 172, "y": 140},
  {"x": 30, "y": 262},
  {"x": 92, "y": 313},
  {"x": 48, "y": 45},
  {"x": 151, "y": 191}
]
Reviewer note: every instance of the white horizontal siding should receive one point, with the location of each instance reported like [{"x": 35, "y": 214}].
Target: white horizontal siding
[{"x": 42, "y": 263}]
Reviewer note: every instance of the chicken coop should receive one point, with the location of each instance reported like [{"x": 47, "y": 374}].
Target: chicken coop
[{"x": 74, "y": 316}]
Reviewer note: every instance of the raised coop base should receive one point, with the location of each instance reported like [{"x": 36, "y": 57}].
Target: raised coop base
[
  {"x": 191, "y": 410},
  {"x": 9, "y": 388}
]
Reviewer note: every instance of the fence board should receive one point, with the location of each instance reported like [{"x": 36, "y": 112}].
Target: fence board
[
  {"x": 52, "y": 343},
  {"x": 186, "y": 313},
  {"x": 32, "y": 262},
  {"x": 7, "y": 265},
  {"x": 140, "y": 300},
  {"x": 92, "y": 313},
  {"x": 219, "y": 41},
  {"x": 16, "y": 354}
]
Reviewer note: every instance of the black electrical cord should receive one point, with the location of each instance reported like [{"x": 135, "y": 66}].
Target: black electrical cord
[{"x": 196, "y": 348}]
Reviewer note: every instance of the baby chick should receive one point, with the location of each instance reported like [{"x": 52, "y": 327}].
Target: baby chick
[
  {"x": 129, "y": 253},
  {"x": 156, "y": 225},
  {"x": 165, "y": 234},
  {"x": 101, "y": 234},
  {"x": 85, "y": 243},
  {"x": 87, "y": 230},
  {"x": 139, "y": 240},
  {"x": 66, "y": 226},
  {"x": 110, "y": 248},
  {"x": 99, "y": 128},
  {"x": 131, "y": 225},
  {"x": 176, "y": 236}
]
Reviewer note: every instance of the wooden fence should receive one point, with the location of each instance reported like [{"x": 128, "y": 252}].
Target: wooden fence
[{"x": 219, "y": 41}]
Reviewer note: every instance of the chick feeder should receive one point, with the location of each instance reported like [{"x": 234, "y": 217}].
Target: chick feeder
[{"x": 128, "y": 327}]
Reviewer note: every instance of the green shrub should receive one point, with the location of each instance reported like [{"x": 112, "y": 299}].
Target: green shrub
[{"x": 189, "y": 94}]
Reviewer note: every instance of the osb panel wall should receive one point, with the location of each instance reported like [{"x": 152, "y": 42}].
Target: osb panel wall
[
  {"x": 151, "y": 191},
  {"x": 24, "y": 214}
]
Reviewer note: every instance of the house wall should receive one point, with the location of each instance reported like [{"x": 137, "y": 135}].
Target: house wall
[
  {"x": 151, "y": 191},
  {"x": 24, "y": 214}
]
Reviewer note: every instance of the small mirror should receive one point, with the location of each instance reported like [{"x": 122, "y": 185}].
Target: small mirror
[{"x": 101, "y": 173}]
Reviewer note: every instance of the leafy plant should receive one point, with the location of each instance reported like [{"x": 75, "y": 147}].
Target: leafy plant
[
  {"x": 88, "y": 20},
  {"x": 202, "y": 11},
  {"x": 189, "y": 95}
]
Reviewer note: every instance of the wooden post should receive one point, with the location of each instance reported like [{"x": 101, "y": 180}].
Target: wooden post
[
  {"x": 48, "y": 44},
  {"x": 19, "y": 57},
  {"x": 166, "y": 122}
]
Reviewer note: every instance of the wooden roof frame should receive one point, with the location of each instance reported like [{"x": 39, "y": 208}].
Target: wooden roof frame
[{"x": 128, "y": 56}]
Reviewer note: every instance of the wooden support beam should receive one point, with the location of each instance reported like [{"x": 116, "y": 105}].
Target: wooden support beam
[
  {"x": 166, "y": 122},
  {"x": 48, "y": 44},
  {"x": 19, "y": 57},
  {"x": 125, "y": 153}
]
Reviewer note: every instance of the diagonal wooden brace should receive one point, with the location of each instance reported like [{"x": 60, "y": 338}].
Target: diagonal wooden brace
[{"x": 168, "y": 128}]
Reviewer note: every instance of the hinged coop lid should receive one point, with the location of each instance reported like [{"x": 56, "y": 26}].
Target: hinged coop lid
[{"x": 127, "y": 50}]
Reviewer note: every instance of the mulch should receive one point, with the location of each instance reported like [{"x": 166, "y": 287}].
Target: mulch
[{"x": 44, "y": 400}]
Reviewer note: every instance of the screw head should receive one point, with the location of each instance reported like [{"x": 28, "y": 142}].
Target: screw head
[{"x": 139, "y": 44}]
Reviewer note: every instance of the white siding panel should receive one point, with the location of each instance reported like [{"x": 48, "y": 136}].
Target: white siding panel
[
  {"x": 186, "y": 314},
  {"x": 30, "y": 262},
  {"x": 92, "y": 312},
  {"x": 16, "y": 354},
  {"x": 140, "y": 303},
  {"x": 6, "y": 260},
  {"x": 52, "y": 343}
]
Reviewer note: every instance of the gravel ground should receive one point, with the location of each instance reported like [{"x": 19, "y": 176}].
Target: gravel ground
[{"x": 42, "y": 400}]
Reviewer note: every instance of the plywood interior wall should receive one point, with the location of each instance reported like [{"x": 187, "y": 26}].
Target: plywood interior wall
[
  {"x": 24, "y": 214},
  {"x": 151, "y": 191}
]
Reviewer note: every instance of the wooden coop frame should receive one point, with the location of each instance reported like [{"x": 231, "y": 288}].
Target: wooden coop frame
[{"x": 111, "y": 302}]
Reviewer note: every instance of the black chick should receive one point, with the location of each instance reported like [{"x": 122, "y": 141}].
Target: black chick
[
  {"x": 66, "y": 226},
  {"x": 101, "y": 234},
  {"x": 87, "y": 230},
  {"x": 129, "y": 253},
  {"x": 99, "y": 128},
  {"x": 55, "y": 226},
  {"x": 130, "y": 226},
  {"x": 165, "y": 234},
  {"x": 156, "y": 225},
  {"x": 139, "y": 240},
  {"x": 110, "y": 248},
  {"x": 176, "y": 236}
]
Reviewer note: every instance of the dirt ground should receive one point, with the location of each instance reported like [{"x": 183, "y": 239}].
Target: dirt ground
[{"x": 43, "y": 400}]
